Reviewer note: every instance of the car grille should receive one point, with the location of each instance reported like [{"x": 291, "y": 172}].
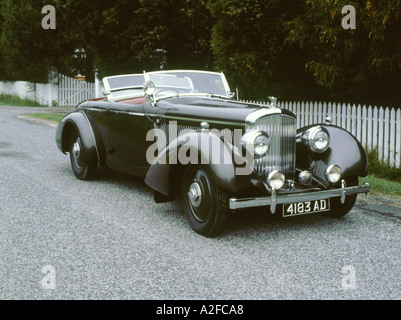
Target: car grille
[{"x": 281, "y": 156}]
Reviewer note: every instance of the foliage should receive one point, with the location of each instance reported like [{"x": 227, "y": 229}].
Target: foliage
[
  {"x": 248, "y": 43},
  {"x": 380, "y": 187},
  {"x": 381, "y": 169},
  {"x": 16, "y": 101},
  {"x": 361, "y": 65},
  {"x": 28, "y": 52},
  {"x": 296, "y": 50},
  {"x": 131, "y": 36},
  {"x": 299, "y": 49}
]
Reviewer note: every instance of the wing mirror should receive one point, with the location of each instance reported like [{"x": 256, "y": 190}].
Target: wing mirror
[{"x": 149, "y": 88}]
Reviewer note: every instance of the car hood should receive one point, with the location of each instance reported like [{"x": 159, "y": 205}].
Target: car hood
[{"x": 202, "y": 108}]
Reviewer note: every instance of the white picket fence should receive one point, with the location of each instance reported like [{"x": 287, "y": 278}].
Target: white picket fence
[
  {"x": 374, "y": 127},
  {"x": 61, "y": 90},
  {"x": 72, "y": 91}
]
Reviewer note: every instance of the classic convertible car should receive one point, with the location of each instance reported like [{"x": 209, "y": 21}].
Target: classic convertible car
[{"x": 183, "y": 132}]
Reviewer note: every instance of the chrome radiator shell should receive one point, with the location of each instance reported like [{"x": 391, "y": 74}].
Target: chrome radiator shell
[{"x": 282, "y": 153}]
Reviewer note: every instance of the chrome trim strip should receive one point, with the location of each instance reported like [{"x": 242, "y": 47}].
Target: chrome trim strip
[
  {"x": 119, "y": 112},
  {"x": 203, "y": 120},
  {"x": 236, "y": 203},
  {"x": 256, "y": 115},
  {"x": 178, "y": 95}
]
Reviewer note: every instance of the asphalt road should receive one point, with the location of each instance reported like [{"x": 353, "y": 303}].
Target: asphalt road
[{"x": 61, "y": 238}]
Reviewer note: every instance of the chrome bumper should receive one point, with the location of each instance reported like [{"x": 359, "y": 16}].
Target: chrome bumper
[{"x": 275, "y": 199}]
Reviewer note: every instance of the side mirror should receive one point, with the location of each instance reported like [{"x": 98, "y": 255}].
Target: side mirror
[
  {"x": 149, "y": 88},
  {"x": 231, "y": 95}
]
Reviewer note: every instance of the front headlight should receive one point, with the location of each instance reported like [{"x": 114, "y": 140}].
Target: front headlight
[
  {"x": 317, "y": 138},
  {"x": 257, "y": 143}
]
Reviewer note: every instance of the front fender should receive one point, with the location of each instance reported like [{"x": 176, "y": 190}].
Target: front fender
[
  {"x": 205, "y": 148},
  {"x": 344, "y": 150},
  {"x": 78, "y": 122}
]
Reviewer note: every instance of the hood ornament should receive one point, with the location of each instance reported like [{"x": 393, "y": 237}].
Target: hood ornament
[{"x": 273, "y": 102}]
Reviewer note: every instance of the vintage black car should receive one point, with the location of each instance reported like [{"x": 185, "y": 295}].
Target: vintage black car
[{"x": 183, "y": 132}]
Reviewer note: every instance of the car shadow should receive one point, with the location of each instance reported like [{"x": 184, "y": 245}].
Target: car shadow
[{"x": 240, "y": 222}]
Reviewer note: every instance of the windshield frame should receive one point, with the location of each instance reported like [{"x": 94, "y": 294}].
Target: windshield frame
[
  {"x": 173, "y": 72},
  {"x": 112, "y": 92}
]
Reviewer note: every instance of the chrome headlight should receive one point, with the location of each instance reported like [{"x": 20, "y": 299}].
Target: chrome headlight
[
  {"x": 257, "y": 143},
  {"x": 317, "y": 139}
]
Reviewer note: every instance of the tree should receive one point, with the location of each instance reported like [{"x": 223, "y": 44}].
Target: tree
[
  {"x": 249, "y": 46},
  {"x": 361, "y": 65},
  {"x": 116, "y": 37},
  {"x": 29, "y": 52},
  {"x": 132, "y": 36}
]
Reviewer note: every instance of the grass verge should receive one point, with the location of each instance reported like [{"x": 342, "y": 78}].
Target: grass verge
[
  {"x": 55, "y": 117},
  {"x": 15, "y": 101},
  {"x": 382, "y": 187}
]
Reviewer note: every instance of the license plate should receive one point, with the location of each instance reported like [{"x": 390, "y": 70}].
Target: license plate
[{"x": 297, "y": 209}]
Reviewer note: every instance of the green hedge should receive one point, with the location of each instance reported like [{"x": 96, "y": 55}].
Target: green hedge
[
  {"x": 381, "y": 169},
  {"x": 16, "y": 101}
]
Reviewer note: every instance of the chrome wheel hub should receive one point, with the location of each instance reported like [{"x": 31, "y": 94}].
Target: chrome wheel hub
[
  {"x": 76, "y": 150},
  {"x": 195, "y": 195}
]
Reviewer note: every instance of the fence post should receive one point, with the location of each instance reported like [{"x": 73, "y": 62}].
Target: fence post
[
  {"x": 392, "y": 137},
  {"x": 370, "y": 129},
  {"x": 398, "y": 140}
]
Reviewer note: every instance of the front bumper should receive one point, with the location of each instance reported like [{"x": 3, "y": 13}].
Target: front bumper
[{"x": 275, "y": 199}]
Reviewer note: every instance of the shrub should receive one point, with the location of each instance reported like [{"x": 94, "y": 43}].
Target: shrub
[{"x": 382, "y": 169}]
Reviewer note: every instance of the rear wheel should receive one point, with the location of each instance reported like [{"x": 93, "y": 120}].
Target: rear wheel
[
  {"x": 338, "y": 209},
  {"x": 205, "y": 203},
  {"x": 82, "y": 169}
]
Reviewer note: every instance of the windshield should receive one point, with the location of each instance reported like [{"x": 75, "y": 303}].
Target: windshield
[
  {"x": 168, "y": 82},
  {"x": 125, "y": 85}
]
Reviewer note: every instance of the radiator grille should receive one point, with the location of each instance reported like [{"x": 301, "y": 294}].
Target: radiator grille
[{"x": 281, "y": 156}]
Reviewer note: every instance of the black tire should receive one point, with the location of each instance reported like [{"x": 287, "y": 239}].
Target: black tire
[
  {"x": 207, "y": 214},
  {"x": 337, "y": 209},
  {"x": 82, "y": 169}
]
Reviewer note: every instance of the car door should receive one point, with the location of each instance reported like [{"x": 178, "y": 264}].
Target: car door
[
  {"x": 100, "y": 118},
  {"x": 128, "y": 127}
]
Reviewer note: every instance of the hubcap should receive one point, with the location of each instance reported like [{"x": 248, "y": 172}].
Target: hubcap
[
  {"x": 76, "y": 150},
  {"x": 195, "y": 195}
]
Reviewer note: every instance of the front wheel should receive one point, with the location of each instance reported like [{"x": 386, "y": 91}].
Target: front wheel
[
  {"x": 82, "y": 169},
  {"x": 339, "y": 209},
  {"x": 205, "y": 203}
]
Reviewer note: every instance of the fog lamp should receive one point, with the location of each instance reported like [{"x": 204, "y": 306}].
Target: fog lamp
[
  {"x": 305, "y": 178},
  {"x": 333, "y": 173},
  {"x": 276, "y": 180}
]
